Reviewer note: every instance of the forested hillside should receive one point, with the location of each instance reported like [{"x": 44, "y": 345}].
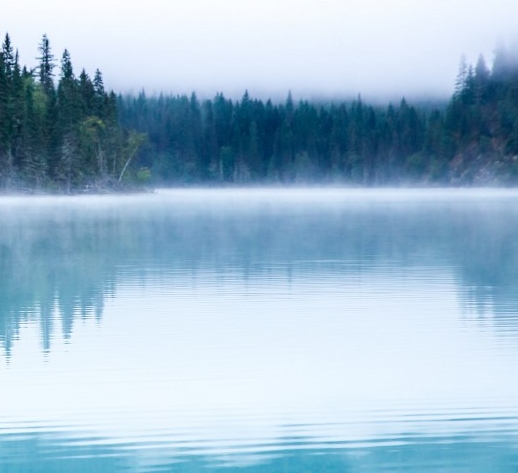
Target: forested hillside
[{"x": 64, "y": 132}]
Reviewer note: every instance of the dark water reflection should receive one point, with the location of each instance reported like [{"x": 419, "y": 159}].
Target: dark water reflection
[{"x": 306, "y": 261}]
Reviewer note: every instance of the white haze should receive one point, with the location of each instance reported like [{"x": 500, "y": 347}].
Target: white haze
[{"x": 325, "y": 48}]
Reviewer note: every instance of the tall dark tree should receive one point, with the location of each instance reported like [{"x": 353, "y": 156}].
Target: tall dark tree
[
  {"x": 8, "y": 56},
  {"x": 46, "y": 66},
  {"x": 5, "y": 123}
]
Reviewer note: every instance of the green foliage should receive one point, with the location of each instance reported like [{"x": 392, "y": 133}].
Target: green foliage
[
  {"x": 416, "y": 164},
  {"x": 75, "y": 133},
  {"x": 248, "y": 140},
  {"x": 143, "y": 176},
  {"x": 59, "y": 139},
  {"x": 46, "y": 66}
]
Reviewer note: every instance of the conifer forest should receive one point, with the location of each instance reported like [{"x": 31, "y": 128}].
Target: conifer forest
[{"x": 61, "y": 131}]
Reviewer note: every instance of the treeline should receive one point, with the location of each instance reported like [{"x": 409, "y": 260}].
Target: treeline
[
  {"x": 62, "y": 137},
  {"x": 66, "y": 133},
  {"x": 472, "y": 139}
]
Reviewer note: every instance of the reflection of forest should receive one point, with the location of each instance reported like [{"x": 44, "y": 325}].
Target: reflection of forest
[
  {"x": 70, "y": 257},
  {"x": 47, "y": 264}
]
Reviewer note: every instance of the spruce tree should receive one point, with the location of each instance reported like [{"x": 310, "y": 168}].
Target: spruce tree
[
  {"x": 46, "y": 66},
  {"x": 8, "y": 56}
]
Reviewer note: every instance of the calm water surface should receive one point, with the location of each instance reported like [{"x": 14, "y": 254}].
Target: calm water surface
[{"x": 260, "y": 330}]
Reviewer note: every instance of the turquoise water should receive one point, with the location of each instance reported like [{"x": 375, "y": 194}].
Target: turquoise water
[{"x": 260, "y": 330}]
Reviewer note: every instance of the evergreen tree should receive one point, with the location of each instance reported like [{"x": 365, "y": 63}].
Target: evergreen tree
[
  {"x": 46, "y": 66},
  {"x": 5, "y": 123},
  {"x": 8, "y": 57}
]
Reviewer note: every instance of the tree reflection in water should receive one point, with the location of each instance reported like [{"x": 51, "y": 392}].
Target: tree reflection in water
[{"x": 59, "y": 261}]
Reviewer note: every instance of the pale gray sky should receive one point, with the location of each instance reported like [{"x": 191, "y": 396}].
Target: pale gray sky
[{"x": 314, "y": 48}]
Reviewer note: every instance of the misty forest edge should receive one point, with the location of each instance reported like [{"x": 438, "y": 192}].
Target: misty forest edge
[{"x": 78, "y": 137}]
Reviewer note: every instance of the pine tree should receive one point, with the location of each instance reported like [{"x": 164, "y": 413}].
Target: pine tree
[
  {"x": 69, "y": 99},
  {"x": 460, "y": 81},
  {"x": 46, "y": 66},
  {"x": 8, "y": 57},
  {"x": 69, "y": 113},
  {"x": 5, "y": 123},
  {"x": 481, "y": 80},
  {"x": 99, "y": 95},
  {"x": 87, "y": 93}
]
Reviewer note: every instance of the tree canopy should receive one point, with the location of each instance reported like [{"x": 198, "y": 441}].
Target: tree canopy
[
  {"x": 62, "y": 136},
  {"x": 65, "y": 132},
  {"x": 472, "y": 139}
]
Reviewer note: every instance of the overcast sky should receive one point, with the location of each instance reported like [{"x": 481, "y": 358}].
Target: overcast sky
[{"x": 330, "y": 48}]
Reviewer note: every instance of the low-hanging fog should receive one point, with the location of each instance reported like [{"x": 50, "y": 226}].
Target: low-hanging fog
[{"x": 330, "y": 48}]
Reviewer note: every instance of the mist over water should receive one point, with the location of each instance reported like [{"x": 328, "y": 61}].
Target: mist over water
[{"x": 260, "y": 329}]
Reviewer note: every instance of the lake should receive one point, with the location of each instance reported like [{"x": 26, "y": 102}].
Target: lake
[{"x": 260, "y": 330}]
